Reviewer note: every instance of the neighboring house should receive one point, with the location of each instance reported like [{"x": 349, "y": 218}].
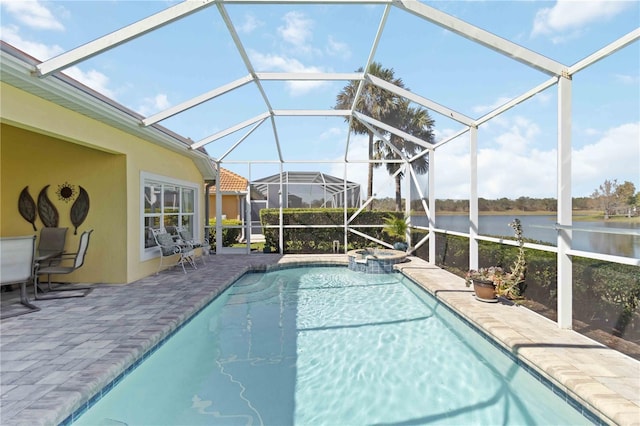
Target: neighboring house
[
  {"x": 233, "y": 190},
  {"x": 60, "y": 135}
]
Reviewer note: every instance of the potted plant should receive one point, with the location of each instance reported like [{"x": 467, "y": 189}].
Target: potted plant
[
  {"x": 489, "y": 283},
  {"x": 485, "y": 282},
  {"x": 396, "y": 227}
]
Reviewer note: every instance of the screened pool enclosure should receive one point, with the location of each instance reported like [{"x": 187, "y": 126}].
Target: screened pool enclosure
[
  {"x": 278, "y": 109},
  {"x": 306, "y": 189}
]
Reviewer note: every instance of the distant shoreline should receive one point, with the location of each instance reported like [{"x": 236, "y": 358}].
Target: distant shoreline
[{"x": 578, "y": 215}]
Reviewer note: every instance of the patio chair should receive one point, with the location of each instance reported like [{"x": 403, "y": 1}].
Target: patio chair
[
  {"x": 76, "y": 260},
  {"x": 187, "y": 237},
  {"x": 16, "y": 267},
  {"x": 173, "y": 230},
  {"x": 169, "y": 248},
  {"x": 51, "y": 245}
]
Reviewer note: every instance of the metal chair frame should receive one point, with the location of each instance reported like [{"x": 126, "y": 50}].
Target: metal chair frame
[
  {"x": 58, "y": 269},
  {"x": 17, "y": 267},
  {"x": 170, "y": 246},
  {"x": 187, "y": 237}
]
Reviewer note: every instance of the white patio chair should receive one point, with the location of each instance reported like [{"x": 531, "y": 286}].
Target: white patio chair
[
  {"x": 169, "y": 248},
  {"x": 187, "y": 237},
  {"x": 16, "y": 267}
]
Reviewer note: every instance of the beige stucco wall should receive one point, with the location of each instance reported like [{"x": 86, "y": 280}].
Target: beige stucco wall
[
  {"x": 43, "y": 143},
  {"x": 230, "y": 206}
]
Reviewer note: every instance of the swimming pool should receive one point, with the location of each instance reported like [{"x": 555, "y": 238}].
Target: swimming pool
[{"x": 327, "y": 345}]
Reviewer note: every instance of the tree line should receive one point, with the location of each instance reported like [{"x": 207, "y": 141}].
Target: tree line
[{"x": 610, "y": 198}]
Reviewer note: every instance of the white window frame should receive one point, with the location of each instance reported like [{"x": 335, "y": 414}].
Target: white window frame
[{"x": 145, "y": 177}]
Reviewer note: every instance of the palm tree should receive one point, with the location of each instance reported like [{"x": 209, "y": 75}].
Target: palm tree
[
  {"x": 373, "y": 102},
  {"x": 416, "y": 122}
]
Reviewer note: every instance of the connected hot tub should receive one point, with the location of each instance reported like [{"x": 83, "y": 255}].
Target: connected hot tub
[{"x": 375, "y": 260}]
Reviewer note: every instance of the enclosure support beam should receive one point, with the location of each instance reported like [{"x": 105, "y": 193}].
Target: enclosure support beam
[
  {"x": 407, "y": 203},
  {"x": 473, "y": 198},
  {"x": 248, "y": 223},
  {"x": 116, "y": 38},
  {"x": 480, "y": 36},
  {"x": 218, "y": 212},
  {"x": 280, "y": 215},
  {"x": 431, "y": 212},
  {"x": 565, "y": 275},
  {"x": 344, "y": 210}
]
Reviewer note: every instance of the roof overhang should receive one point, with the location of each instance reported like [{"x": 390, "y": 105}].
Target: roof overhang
[{"x": 18, "y": 70}]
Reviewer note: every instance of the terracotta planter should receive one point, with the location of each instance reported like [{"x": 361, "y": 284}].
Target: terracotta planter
[{"x": 485, "y": 290}]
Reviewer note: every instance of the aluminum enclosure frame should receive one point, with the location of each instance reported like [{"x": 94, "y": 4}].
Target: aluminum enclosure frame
[{"x": 560, "y": 76}]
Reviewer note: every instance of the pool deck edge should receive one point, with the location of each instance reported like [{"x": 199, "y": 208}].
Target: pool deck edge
[{"x": 605, "y": 381}]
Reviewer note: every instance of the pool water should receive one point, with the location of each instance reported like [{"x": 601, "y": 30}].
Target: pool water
[{"x": 328, "y": 346}]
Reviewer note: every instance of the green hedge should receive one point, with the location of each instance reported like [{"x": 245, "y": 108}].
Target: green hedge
[
  {"x": 605, "y": 294},
  {"x": 230, "y": 236},
  {"x": 320, "y": 240}
]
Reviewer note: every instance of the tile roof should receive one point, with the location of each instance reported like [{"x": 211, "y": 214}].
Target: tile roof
[{"x": 230, "y": 182}]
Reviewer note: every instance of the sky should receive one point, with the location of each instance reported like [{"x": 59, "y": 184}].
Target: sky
[{"x": 516, "y": 150}]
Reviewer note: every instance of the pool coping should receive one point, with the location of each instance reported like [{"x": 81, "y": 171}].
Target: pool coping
[{"x": 606, "y": 382}]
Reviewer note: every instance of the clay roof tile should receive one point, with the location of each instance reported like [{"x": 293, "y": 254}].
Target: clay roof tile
[{"x": 230, "y": 182}]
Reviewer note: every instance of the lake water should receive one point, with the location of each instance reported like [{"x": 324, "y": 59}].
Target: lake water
[{"x": 540, "y": 227}]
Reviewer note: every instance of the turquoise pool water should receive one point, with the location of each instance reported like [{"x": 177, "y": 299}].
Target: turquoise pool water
[{"x": 328, "y": 346}]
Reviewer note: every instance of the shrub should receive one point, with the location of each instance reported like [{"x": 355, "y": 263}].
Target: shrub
[
  {"x": 319, "y": 240},
  {"x": 605, "y": 295},
  {"x": 230, "y": 236}
]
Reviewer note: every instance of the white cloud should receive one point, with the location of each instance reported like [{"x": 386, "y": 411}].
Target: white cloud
[
  {"x": 93, "y": 79},
  {"x": 512, "y": 169},
  {"x": 297, "y": 29},
  {"x": 616, "y": 155},
  {"x": 269, "y": 62},
  {"x": 249, "y": 24},
  {"x": 485, "y": 109},
  {"x": 568, "y": 16},
  {"x": 501, "y": 172},
  {"x": 331, "y": 133},
  {"x": 627, "y": 79},
  {"x": 512, "y": 173},
  {"x": 519, "y": 134},
  {"x": 40, "y": 51},
  {"x": 155, "y": 104},
  {"x": 32, "y": 14},
  {"x": 337, "y": 48}
]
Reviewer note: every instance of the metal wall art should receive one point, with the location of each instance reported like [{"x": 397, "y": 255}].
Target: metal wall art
[
  {"x": 79, "y": 209},
  {"x": 48, "y": 212},
  {"x": 27, "y": 207},
  {"x": 66, "y": 192}
]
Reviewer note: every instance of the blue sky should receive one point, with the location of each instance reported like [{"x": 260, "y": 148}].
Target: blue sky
[{"x": 517, "y": 150}]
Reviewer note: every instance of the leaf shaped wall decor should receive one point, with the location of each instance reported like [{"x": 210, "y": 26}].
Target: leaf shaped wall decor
[
  {"x": 27, "y": 207},
  {"x": 79, "y": 209},
  {"x": 47, "y": 211}
]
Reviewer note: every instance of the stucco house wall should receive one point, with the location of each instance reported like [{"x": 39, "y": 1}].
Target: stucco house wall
[
  {"x": 230, "y": 205},
  {"x": 45, "y": 144}
]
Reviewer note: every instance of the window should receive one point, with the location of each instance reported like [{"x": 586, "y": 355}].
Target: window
[{"x": 167, "y": 202}]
